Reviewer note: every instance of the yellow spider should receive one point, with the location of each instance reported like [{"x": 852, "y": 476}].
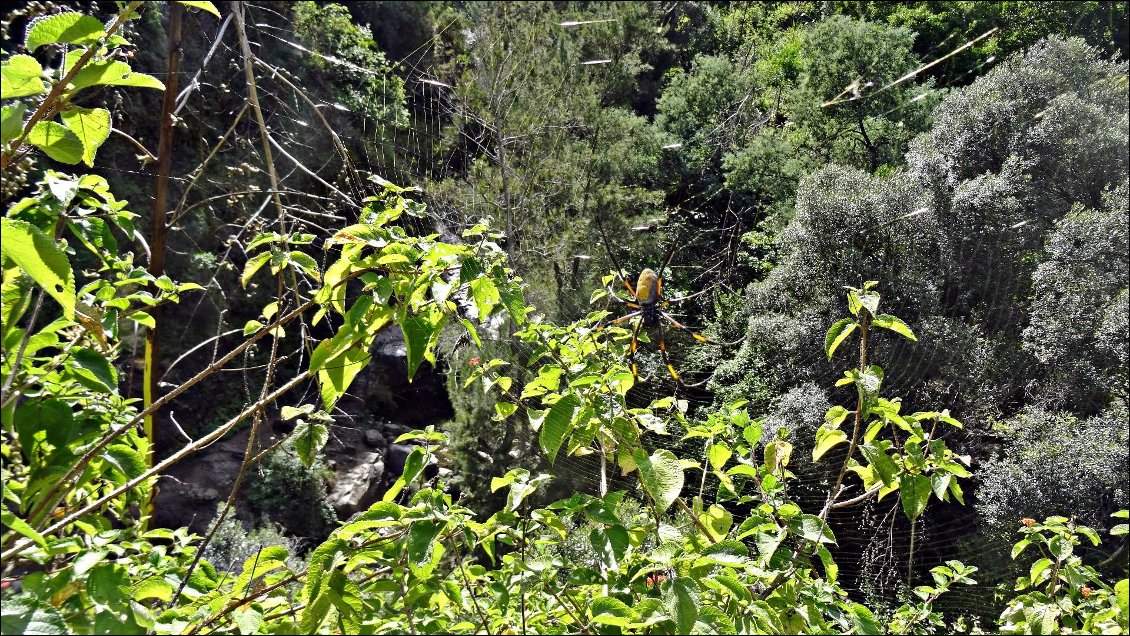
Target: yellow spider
[{"x": 647, "y": 301}]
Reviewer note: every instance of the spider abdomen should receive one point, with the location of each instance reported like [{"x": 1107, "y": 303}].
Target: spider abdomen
[{"x": 647, "y": 288}]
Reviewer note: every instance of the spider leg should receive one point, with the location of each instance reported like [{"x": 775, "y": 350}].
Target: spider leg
[
  {"x": 619, "y": 270},
  {"x": 629, "y": 303},
  {"x": 626, "y": 318},
  {"x": 680, "y": 299},
  {"x": 667, "y": 360},
  {"x": 698, "y": 336},
  {"x": 632, "y": 351}
]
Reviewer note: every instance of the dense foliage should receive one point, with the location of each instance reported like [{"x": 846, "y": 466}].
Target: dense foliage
[{"x": 911, "y": 221}]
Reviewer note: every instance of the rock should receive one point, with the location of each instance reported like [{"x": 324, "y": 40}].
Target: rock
[
  {"x": 390, "y": 342},
  {"x": 374, "y": 439},
  {"x": 359, "y": 487}
]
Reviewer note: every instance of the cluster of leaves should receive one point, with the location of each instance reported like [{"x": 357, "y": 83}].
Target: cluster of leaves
[{"x": 93, "y": 58}]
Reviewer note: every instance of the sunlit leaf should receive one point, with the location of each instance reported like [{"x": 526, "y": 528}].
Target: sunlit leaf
[
  {"x": 20, "y": 76},
  {"x": 662, "y": 476},
  {"x": 56, "y": 141},
  {"x": 202, "y": 5},
  {"x": 837, "y": 334},
  {"x": 555, "y": 425},
  {"x": 39, "y": 257}
]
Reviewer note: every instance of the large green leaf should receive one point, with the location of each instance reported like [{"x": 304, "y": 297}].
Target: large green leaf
[
  {"x": 812, "y": 528},
  {"x": 421, "y": 538},
  {"x": 662, "y": 476},
  {"x": 486, "y": 296},
  {"x": 418, "y": 333},
  {"x": 113, "y": 73},
  {"x": 21, "y": 76},
  {"x": 680, "y": 597},
  {"x": 514, "y": 301},
  {"x": 826, "y": 439},
  {"x": 23, "y": 615},
  {"x": 39, "y": 257},
  {"x": 91, "y": 126},
  {"x": 64, "y": 28},
  {"x": 309, "y": 438},
  {"x": 57, "y": 141},
  {"x": 555, "y": 425},
  {"x": 610, "y": 611},
  {"x": 9, "y": 519},
  {"x": 99, "y": 374},
  {"x": 337, "y": 375},
  {"x": 914, "y": 490}
]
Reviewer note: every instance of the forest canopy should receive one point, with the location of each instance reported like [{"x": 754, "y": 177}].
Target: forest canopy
[{"x": 565, "y": 317}]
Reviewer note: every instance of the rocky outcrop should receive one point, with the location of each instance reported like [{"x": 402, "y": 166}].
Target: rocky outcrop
[{"x": 359, "y": 487}]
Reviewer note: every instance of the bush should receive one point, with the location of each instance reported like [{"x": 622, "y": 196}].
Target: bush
[
  {"x": 1054, "y": 463},
  {"x": 293, "y": 495}
]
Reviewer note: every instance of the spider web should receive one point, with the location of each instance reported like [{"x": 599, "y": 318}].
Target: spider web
[{"x": 875, "y": 534}]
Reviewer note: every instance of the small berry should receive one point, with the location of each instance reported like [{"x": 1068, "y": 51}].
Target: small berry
[
  {"x": 1085, "y": 591},
  {"x": 1028, "y": 522}
]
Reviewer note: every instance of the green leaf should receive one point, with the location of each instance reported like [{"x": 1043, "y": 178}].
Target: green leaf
[
  {"x": 247, "y": 620},
  {"x": 253, "y": 265},
  {"x": 154, "y": 587},
  {"x": 12, "y": 121},
  {"x": 64, "y": 28},
  {"x": 812, "y": 528},
  {"x": 24, "y": 615},
  {"x": 96, "y": 367},
  {"x": 914, "y": 491},
  {"x": 486, "y": 296},
  {"x": 864, "y": 621},
  {"x": 681, "y": 601},
  {"x": 203, "y": 6},
  {"x": 113, "y": 73},
  {"x": 146, "y": 320},
  {"x": 337, "y": 375},
  {"x": 418, "y": 333},
  {"x": 837, "y": 334},
  {"x": 21, "y": 76},
  {"x": 309, "y": 438},
  {"x": 19, "y": 525},
  {"x": 826, "y": 439},
  {"x": 91, "y": 126},
  {"x": 1122, "y": 592},
  {"x": 413, "y": 464},
  {"x": 887, "y": 321},
  {"x": 718, "y": 454},
  {"x": 514, "y": 301},
  {"x": 307, "y": 264},
  {"x": 879, "y": 459},
  {"x": 940, "y": 482},
  {"x": 732, "y": 585},
  {"x": 57, "y": 141},
  {"x": 610, "y": 611},
  {"x": 1060, "y": 547},
  {"x": 39, "y": 257},
  {"x": 662, "y": 476},
  {"x": 126, "y": 459},
  {"x": 555, "y": 426},
  {"x": 421, "y": 538}
]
